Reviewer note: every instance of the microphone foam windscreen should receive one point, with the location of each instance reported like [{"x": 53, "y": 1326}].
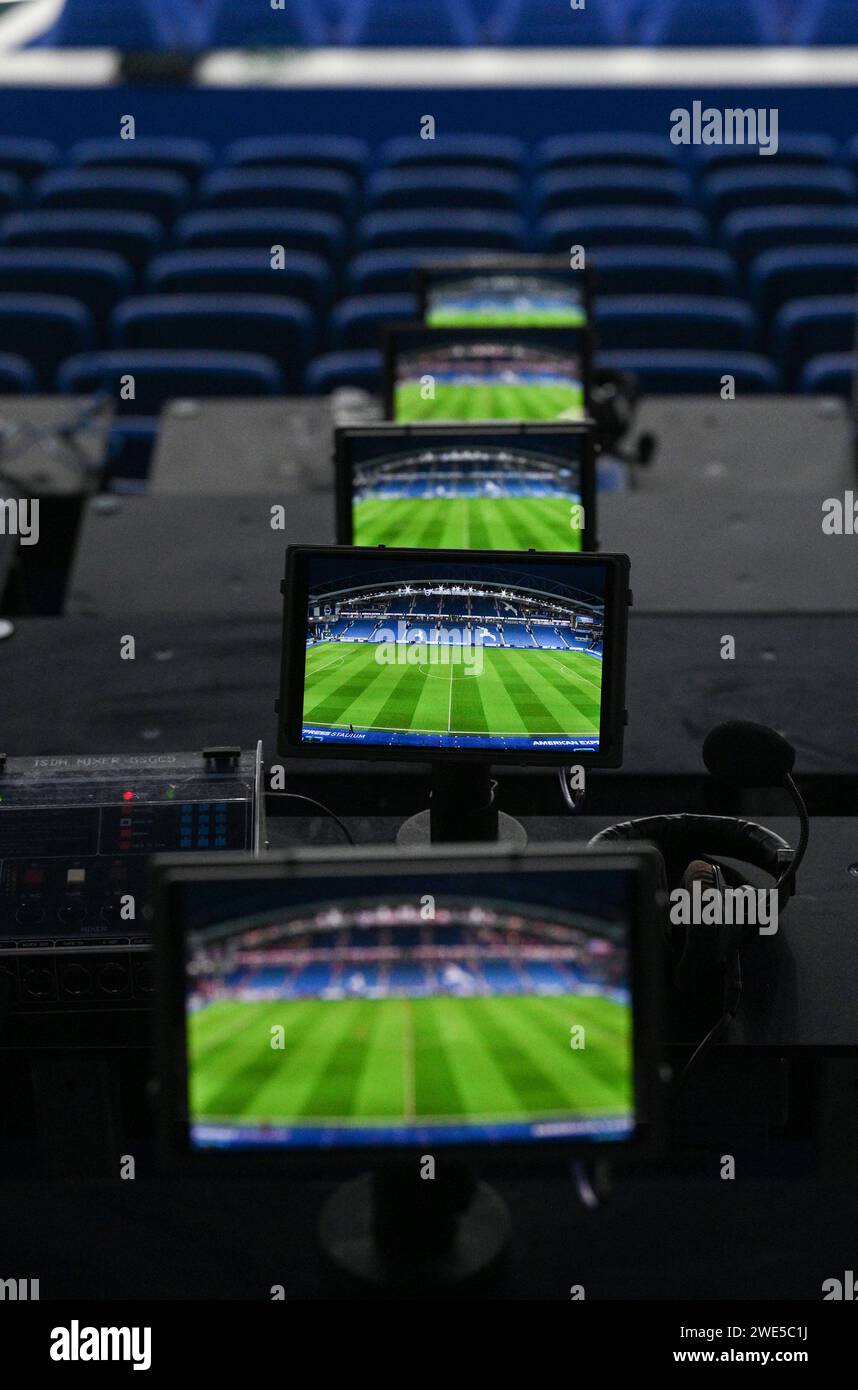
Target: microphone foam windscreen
[{"x": 748, "y": 755}]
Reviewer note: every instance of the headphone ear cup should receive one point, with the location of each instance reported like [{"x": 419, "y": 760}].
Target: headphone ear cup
[{"x": 700, "y": 947}]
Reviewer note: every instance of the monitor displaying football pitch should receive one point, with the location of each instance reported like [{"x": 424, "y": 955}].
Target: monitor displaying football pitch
[
  {"x": 515, "y": 487},
  {"x": 528, "y": 292},
  {"x": 426, "y": 652},
  {"x": 472, "y": 374},
  {"x": 334, "y": 1009}
]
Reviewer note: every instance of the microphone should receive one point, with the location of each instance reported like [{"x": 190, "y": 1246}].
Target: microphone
[
  {"x": 748, "y": 755},
  {"x": 744, "y": 754}
]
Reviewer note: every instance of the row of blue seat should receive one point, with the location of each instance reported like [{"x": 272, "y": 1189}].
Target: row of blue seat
[
  {"x": 48, "y": 329},
  {"x": 190, "y": 158},
  {"x": 137, "y": 237},
  {"x": 145, "y": 24},
  {"x": 165, "y": 196},
  {"x": 101, "y": 279}
]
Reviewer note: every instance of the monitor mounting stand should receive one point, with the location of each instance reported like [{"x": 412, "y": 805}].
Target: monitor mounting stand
[
  {"x": 400, "y": 1230},
  {"x": 462, "y": 810}
]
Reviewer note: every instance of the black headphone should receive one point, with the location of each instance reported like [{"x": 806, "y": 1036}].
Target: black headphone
[{"x": 692, "y": 846}]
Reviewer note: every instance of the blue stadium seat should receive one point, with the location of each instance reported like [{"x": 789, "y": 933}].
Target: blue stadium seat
[
  {"x": 499, "y": 231},
  {"x": 188, "y": 158},
  {"x": 132, "y": 235},
  {"x": 132, "y": 442},
  {"x": 622, "y": 226},
  {"x": 11, "y": 192},
  {"x": 277, "y": 327},
  {"x": 701, "y": 23},
  {"x": 297, "y": 24},
  {"x": 826, "y": 22},
  {"x": 398, "y": 23},
  {"x": 261, "y": 186},
  {"x": 243, "y": 271},
  {"x": 27, "y": 158},
  {"x": 664, "y": 270},
  {"x": 17, "y": 377},
  {"x": 794, "y": 150},
  {"x": 392, "y": 272},
  {"x": 315, "y": 232},
  {"x": 851, "y": 153},
  {"x": 157, "y": 194},
  {"x": 334, "y": 370},
  {"x": 832, "y": 374},
  {"x": 776, "y": 277},
  {"x": 542, "y": 23},
  {"x": 103, "y": 24},
  {"x": 44, "y": 329},
  {"x": 748, "y": 233},
  {"x": 677, "y": 321},
  {"x": 150, "y": 25},
  {"x": 97, "y": 279},
  {"x": 621, "y": 184},
  {"x": 812, "y": 327},
  {"x": 356, "y": 323},
  {"x": 732, "y": 190},
  {"x": 440, "y": 186},
  {"x": 162, "y": 376},
  {"x": 338, "y": 152},
  {"x": 490, "y": 151},
  {"x": 605, "y": 149},
  {"x": 693, "y": 373}
]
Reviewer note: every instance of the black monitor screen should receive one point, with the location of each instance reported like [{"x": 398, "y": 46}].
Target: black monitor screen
[
  {"x": 507, "y": 655},
  {"x": 409, "y": 1007},
  {"x": 435, "y": 374},
  {"x": 499, "y": 488}
]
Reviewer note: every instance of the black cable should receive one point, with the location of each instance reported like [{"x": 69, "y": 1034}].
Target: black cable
[
  {"x": 297, "y": 796},
  {"x": 732, "y": 998}
]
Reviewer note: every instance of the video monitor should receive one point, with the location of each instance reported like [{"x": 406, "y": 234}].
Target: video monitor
[
  {"x": 481, "y": 487},
  {"x": 311, "y": 1003},
  {"x": 428, "y": 654},
  {"x": 498, "y": 292},
  {"x": 465, "y": 374}
]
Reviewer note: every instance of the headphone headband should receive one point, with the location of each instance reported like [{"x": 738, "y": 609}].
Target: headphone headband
[{"x": 681, "y": 838}]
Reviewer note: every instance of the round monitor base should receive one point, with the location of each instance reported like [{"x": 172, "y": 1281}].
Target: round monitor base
[
  {"x": 416, "y": 831},
  {"x": 347, "y": 1234}
]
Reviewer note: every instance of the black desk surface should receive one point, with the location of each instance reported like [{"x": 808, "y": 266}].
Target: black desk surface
[
  {"x": 780, "y": 443},
  {"x": 226, "y": 1240},
  {"x": 705, "y": 552},
  {"x": 32, "y": 455},
  {"x": 65, "y": 689}
]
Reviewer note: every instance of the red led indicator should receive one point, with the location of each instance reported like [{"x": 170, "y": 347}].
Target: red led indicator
[{"x": 127, "y": 796}]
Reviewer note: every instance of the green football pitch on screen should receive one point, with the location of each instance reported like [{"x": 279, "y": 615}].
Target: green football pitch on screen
[
  {"x": 496, "y": 691},
  {"x": 397, "y": 1061},
  {"x": 490, "y": 401},
  {"x": 468, "y": 523},
  {"x": 507, "y": 316}
]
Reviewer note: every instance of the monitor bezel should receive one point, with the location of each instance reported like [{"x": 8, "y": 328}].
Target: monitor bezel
[
  {"x": 290, "y": 705},
  {"x": 499, "y": 264},
  {"x": 344, "y": 465},
  {"x": 170, "y": 872},
  {"x": 394, "y": 335}
]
